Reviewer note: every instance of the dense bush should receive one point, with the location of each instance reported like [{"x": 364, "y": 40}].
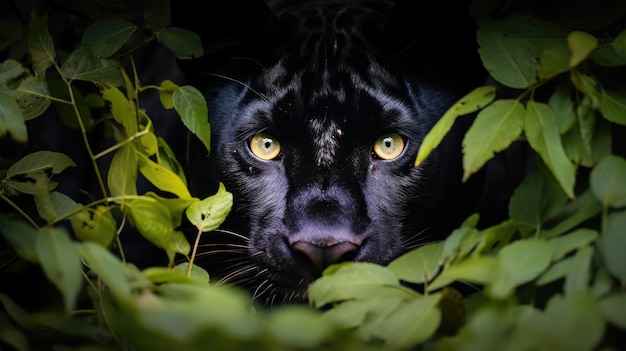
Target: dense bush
[{"x": 552, "y": 276}]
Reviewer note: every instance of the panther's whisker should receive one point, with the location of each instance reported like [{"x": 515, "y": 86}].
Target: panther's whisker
[
  {"x": 262, "y": 96},
  {"x": 236, "y": 274},
  {"x": 230, "y": 232},
  {"x": 256, "y": 293}
]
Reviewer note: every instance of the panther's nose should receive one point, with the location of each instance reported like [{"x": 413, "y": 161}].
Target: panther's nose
[{"x": 322, "y": 254}]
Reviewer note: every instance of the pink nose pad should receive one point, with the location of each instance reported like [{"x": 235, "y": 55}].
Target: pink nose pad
[{"x": 322, "y": 256}]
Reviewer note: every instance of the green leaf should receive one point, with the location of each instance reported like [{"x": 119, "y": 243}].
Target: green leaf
[
  {"x": 581, "y": 44},
  {"x": 611, "y": 245},
  {"x": 122, "y": 175},
  {"x": 40, "y": 45},
  {"x": 177, "y": 274},
  {"x": 120, "y": 278},
  {"x": 176, "y": 206},
  {"x": 10, "y": 70},
  {"x": 613, "y": 106},
  {"x": 39, "y": 161},
  {"x": 191, "y": 106},
  {"x": 561, "y": 103},
  {"x": 571, "y": 322},
  {"x": 510, "y": 48},
  {"x": 419, "y": 265},
  {"x": 542, "y": 132},
  {"x": 183, "y": 43},
  {"x": 286, "y": 326},
  {"x": 62, "y": 204},
  {"x": 607, "y": 181},
  {"x": 494, "y": 129},
  {"x": 588, "y": 85},
  {"x": 12, "y": 336},
  {"x": 577, "y": 142},
  {"x": 619, "y": 44},
  {"x": 407, "y": 324},
  {"x": 105, "y": 37},
  {"x": 162, "y": 178},
  {"x": 156, "y": 14},
  {"x": 11, "y": 119},
  {"x": 59, "y": 259},
  {"x": 166, "y": 90},
  {"x": 209, "y": 213},
  {"x": 579, "y": 274},
  {"x": 355, "y": 281},
  {"x": 577, "y": 239},
  {"x": 167, "y": 158},
  {"x": 82, "y": 64},
  {"x": 95, "y": 225},
  {"x": 606, "y": 55},
  {"x": 554, "y": 60},
  {"x": 537, "y": 199},
  {"x": 20, "y": 236},
  {"x": 520, "y": 262},
  {"x": 472, "y": 102},
  {"x": 478, "y": 269},
  {"x": 122, "y": 109},
  {"x": 154, "y": 222},
  {"x": 32, "y": 98},
  {"x": 614, "y": 309}
]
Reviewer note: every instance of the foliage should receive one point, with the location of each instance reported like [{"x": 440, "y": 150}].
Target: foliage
[{"x": 552, "y": 276}]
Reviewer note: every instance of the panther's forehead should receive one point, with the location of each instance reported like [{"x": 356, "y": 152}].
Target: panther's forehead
[{"x": 338, "y": 67}]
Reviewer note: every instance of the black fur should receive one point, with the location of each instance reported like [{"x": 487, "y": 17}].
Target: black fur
[{"x": 327, "y": 80}]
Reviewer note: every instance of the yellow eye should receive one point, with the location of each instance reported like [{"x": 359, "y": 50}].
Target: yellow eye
[
  {"x": 265, "y": 146},
  {"x": 389, "y": 146}
]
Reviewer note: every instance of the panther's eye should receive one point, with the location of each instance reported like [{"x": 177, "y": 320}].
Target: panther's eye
[
  {"x": 388, "y": 146},
  {"x": 265, "y": 146}
]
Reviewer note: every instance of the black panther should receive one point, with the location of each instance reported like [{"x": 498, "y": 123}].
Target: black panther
[{"x": 317, "y": 111}]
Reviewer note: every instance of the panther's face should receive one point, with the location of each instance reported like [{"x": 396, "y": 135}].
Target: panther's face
[{"x": 318, "y": 144}]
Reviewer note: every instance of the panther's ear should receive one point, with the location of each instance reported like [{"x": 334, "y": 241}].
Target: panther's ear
[{"x": 224, "y": 27}]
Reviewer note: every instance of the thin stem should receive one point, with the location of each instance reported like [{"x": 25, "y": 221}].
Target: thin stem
[
  {"x": 193, "y": 253},
  {"x": 83, "y": 131},
  {"x": 122, "y": 143},
  {"x": 19, "y": 210}
]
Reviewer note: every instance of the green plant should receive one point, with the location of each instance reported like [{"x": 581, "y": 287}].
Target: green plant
[{"x": 553, "y": 276}]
